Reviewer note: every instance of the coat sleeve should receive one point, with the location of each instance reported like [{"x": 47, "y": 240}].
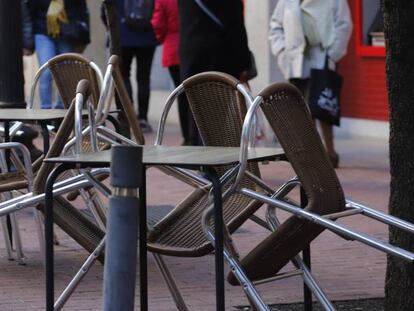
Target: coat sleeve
[
  {"x": 27, "y": 25},
  {"x": 159, "y": 21},
  {"x": 276, "y": 31},
  {"x": 343, "y": 30},
  {"x": 238, "y": 36}
]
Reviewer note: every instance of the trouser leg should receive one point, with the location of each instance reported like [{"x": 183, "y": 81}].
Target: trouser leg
[{"x": 144, "y": 57}]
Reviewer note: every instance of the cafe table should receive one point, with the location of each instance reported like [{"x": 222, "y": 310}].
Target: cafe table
[
  {"x": 36, "y": 116},
  {"x": 191, "y": 157}
]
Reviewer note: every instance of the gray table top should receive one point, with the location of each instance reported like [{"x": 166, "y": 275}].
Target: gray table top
[
  {"x": 11, "y": 114},
  {"x": 185, "y": 156}
]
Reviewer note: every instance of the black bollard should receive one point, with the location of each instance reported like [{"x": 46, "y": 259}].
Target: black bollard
[
  {"x": 11, "y": 62},
  {"x": 122, "y": 229}
]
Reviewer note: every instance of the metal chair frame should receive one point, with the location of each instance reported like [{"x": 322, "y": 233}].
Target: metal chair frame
[
  {"x": 229, "y": 249},
  {"x": 32, "y": 198},
  {"x": 67, "y": 57},
  {"x": 277, "y": 201},
  {"x": 26, "y": 167},
  {"x": 59, "y": 58}
]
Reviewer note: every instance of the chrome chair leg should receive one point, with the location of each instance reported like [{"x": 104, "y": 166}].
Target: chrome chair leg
[
  {"x": 169, "y": 280},
  {"x": 15, "y": 232},
  {"x": 96, "y": 208},
  {"x": 7, "y": 238},
  {"x": 248, "y": 287},
  {"x": 17, "y": 239},
  {"x": 39, "y": 228},
  {"x": 67, "y": 292}
]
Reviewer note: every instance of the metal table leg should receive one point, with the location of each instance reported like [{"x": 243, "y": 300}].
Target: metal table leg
[
  {"x": 143, "y": 273},
  {"x": 45, "y": 134},
  {"x": 218, "y": 228},
  {"x": 49, "y": 232},
  {"x": 7, "y": 156},
  {"x": 307, "y": 294}
]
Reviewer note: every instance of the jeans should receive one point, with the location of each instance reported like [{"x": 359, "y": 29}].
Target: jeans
[{"x": 47, "y": 48}]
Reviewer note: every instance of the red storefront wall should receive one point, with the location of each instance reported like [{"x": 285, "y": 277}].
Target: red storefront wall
[{"x": 364, "y": 92}]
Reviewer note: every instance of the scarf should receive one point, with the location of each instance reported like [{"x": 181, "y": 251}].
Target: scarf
[
  {"x": 56, "y": 15},
  {"x": 318, "y": 22}
]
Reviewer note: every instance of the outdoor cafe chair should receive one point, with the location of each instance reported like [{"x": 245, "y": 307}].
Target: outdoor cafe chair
[
  {"x": 218, "y": 103},
  {"x": 289, "y": 117},
  {"x": 20, "y": 179},
  {"x": 67, "y": 217},
  {"x": 67, "y": 70},
  {"x": 101, "y": 133}
]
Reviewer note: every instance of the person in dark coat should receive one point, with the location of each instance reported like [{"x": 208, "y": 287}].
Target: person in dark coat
[
  {"x": 138, "y": 44},
  {"x": 165, "y": 22},
  {"x": 47, "y": 29},
  {"x": 213, "y": 40}
]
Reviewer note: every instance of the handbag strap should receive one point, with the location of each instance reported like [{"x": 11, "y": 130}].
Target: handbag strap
[
  {"x": 209, "y": 13},
  {"x": 326, "y": 66}
]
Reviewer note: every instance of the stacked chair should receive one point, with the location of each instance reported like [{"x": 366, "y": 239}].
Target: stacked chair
[
  {"x": 218, "y": 103},
  {"x": 289, "y": 117},
  {"x": 21, "y": 179},
  {"x": 67, "y": 70}
]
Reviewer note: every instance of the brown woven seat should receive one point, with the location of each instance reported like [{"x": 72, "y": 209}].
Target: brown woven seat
[
  {"x": 290, "y": 119},
  {"x": 67, "y": 70},
  {"x": 218, "y": 109},
  {"x": 288, "y": 116}
]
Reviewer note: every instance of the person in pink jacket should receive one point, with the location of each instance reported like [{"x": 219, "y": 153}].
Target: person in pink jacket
[{"x": 165, "y": 22}]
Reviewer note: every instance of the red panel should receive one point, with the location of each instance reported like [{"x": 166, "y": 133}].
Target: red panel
[
  {"x": 364, "y": 92},
  {"x": 363, "y": 50}
]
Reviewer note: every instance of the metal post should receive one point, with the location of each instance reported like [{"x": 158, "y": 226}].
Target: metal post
[
  {"x": 122, "y": 229},
  {"x": 11, "y": 67},
  {"x": 49, "y": 256},
  {"x": 212, "y": 175},
  {"x": 143, "y": 273},
  {"x": 307, "y": 294},
  {"x": 11, "y": 60}
]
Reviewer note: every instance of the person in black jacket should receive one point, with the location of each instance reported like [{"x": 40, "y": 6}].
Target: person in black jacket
[
  {"x": 52, "y": 27},
  {"x": 213, "y": 37},
  {"x": 139, "y": 43}
]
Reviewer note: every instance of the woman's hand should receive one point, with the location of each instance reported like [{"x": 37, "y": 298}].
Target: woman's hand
[
  {"x": 243, "y": 77},
  {"x": 27, "y": 52}
]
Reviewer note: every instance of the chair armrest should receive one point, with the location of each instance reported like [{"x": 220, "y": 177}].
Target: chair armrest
[
  {"x": 105, "y": 97},
  {"x": 82, "y": 93},
  {"x": 167, "y": 107}
]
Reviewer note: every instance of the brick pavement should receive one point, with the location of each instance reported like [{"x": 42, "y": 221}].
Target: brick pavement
[{"x": 346, "y": 270}]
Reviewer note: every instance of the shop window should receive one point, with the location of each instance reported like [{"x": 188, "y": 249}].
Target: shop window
[{"x": 369, "y": 29}]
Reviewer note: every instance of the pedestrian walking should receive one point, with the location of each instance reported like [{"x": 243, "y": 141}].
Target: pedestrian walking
[
  {"x": 53, "y": 27},
  {"x": 213, "y": 37},
  {"x": 165, "y": 22},
  {"x": 306, "y": 35},
  {"x": 137, "y": 40}
]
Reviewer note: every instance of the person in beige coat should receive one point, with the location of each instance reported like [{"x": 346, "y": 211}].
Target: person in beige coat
[{"x": 302, "y": 33}]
